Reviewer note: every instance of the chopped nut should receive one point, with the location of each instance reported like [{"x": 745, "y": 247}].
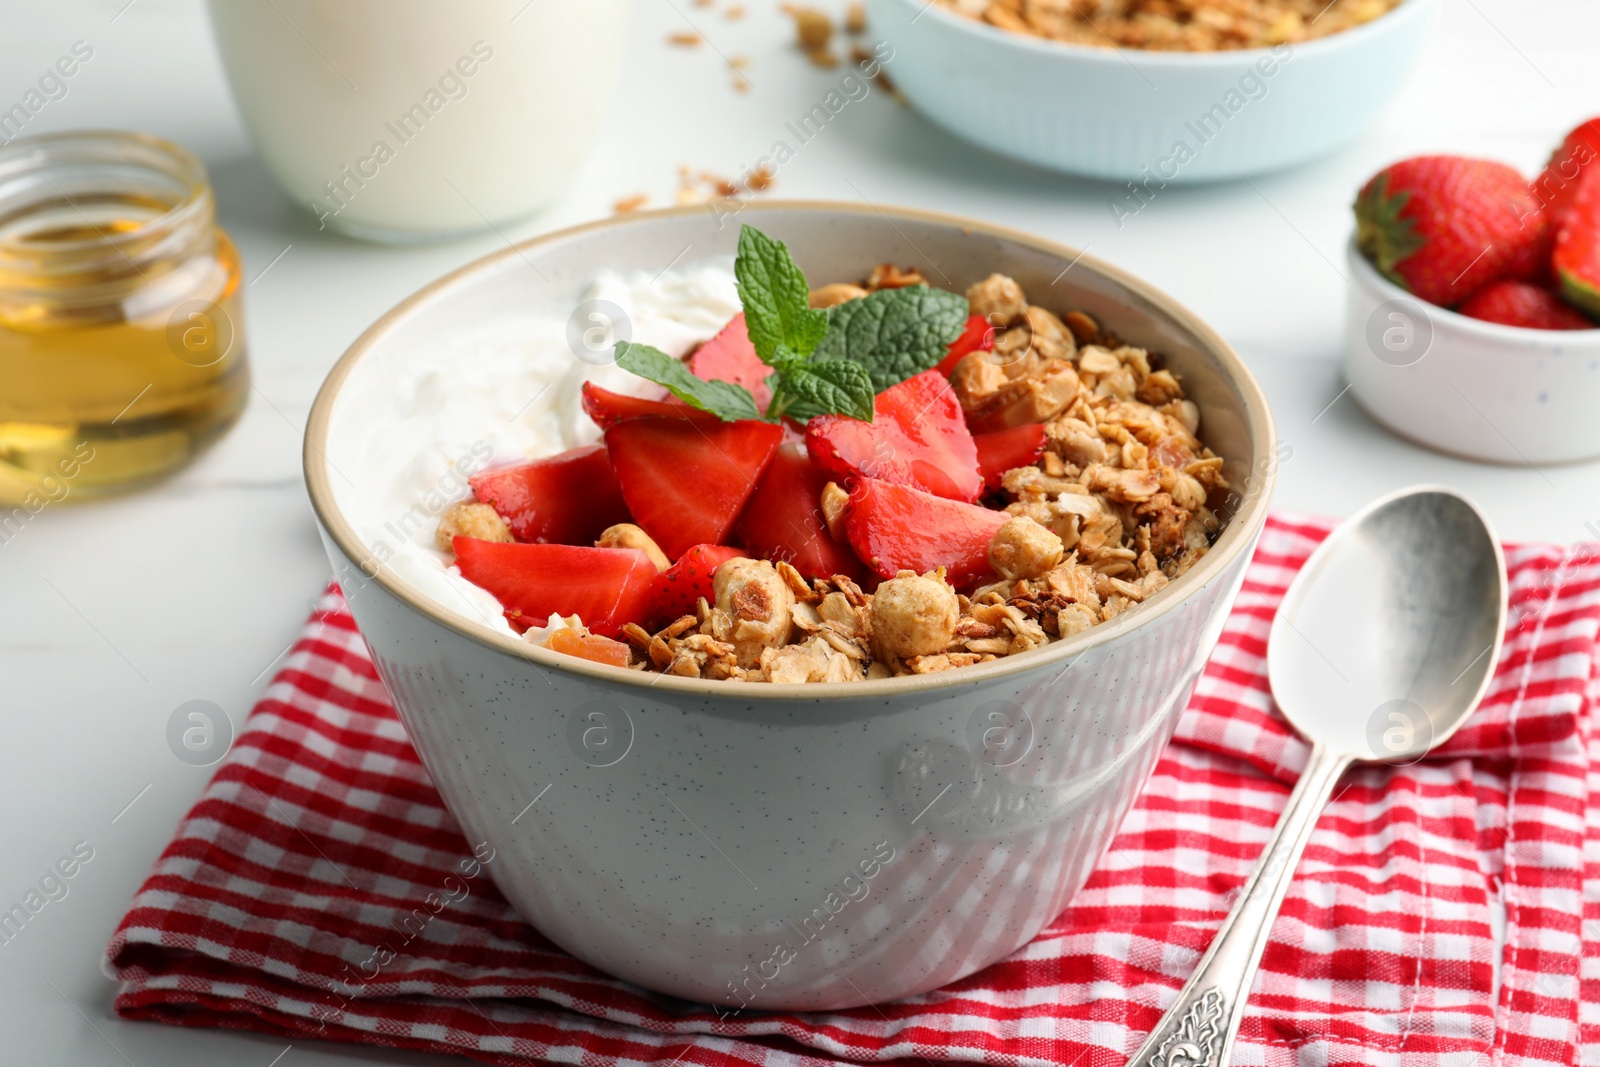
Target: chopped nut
[
  {"x": 1084, "y": 329},
  {"x": 889, "y": 276},
  {"x": 823, "y": 57},
  {"x": 833, "y": 295},
  {"x": 758, "y": 605},
  {"x": 912, "y": 616},
  {"x": 855, "y": 19},
  {"x": 627, "y": 535},
  {"x": 833, "y": 502},
  {"x": 733, "y": 13},
  {"x": 630, "y": 203},
  {"x": 684, "y": 39},
  {"x": 1021, "y": 548},
  {"x": 470, "y": 519},
  {"x": 998, "y": 299}
]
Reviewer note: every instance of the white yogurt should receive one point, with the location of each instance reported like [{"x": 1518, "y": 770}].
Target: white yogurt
[{"x": 485, "y": 401}]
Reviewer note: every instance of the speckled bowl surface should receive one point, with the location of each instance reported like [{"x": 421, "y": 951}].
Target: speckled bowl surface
[
  {"x": 796, "y": 847},
  {"x": 1152, "y": 118}
]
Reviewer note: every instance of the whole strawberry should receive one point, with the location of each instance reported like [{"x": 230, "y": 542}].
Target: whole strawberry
[
  {"x": 1557, "y": 187},
  {"x": 1525, "y": 305},
  {"x": 1446, "y": 226}
]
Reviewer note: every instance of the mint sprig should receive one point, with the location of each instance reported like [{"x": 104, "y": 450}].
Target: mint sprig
[
  {"x": 808, "y": 389},
  {"x": 895, "y": 333},
  {"x": 726, "y": 400},
  {"x": 831, "y": 362},
  {"x": 776, "y": 298}
]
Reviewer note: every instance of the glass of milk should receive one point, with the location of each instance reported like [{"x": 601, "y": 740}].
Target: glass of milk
[{"x": 420, "y": 120}]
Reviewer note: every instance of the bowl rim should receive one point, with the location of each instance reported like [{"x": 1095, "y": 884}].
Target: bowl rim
[
  {"x": 1117, "y": 56},
  {"x": 1238, "y": 536},
  {"x": 1525, "y": 339}
]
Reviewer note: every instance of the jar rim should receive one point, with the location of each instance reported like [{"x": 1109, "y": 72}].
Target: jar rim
[{"x": 158, "y": 156}]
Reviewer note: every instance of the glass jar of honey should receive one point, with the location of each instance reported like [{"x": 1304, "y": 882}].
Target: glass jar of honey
[{"x": 122, "y": 349}]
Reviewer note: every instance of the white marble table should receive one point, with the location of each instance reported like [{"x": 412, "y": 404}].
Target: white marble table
[{"x": 113, "y": 614}]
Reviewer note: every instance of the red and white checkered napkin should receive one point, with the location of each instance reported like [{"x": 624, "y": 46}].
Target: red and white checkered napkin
[{"x": 289, "y": 885}]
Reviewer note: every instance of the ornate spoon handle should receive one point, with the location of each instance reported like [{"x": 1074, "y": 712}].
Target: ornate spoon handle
[{"x": 1198, "y": 1030}]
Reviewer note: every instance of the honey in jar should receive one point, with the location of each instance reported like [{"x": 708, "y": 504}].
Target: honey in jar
[{"x": 122, "y": 350}]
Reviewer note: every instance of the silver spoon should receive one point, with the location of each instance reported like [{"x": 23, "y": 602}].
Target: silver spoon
[{"x": 1383, "y": 646}]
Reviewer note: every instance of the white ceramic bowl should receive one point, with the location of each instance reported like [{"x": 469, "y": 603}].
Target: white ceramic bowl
[
  {"x": 1121, "y": 114},
  {"x": 790, "y": 846},
  {"x": 417, "y": 120},
  {"x": 1471, "y": 388}
]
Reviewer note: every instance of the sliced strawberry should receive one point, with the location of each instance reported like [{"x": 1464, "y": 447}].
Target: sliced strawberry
[
  {"x": 918, "y": 437},
  {"x": 977, "y": 337},
  {"x": 566, "y": 499},
  {"x": 998, "y": 452},
  {"x": 607, "y": 408},
  {"x": 895, "y": 528},
  {"x": 685, "y": 480},
  {"x": 1577, "y": 256},
  {"x": 730, "y": 357},
  {"x": 1557, "y": 187},
  {"x": 605, "y": 587},
  {"x": 591, "y": 647},
  {"x": 783, "y": 519},
  {"x": 679, "y": 587}
]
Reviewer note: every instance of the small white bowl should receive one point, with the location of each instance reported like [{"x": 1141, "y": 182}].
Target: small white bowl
[
  {"x": 1121, "y": 114},
  {"x": 1474, "y": 389}
]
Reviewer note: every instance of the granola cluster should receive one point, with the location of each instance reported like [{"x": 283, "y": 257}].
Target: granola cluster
[
  {"x": 1176, "y": 25},
  {"x": 1113, "y": 511}
]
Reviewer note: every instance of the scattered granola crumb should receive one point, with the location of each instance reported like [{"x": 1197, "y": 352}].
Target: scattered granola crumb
[
  {"x": 760, "y": 179},
  {"x": 741, "y": 83},
  {"x": 685, "y": 39},
  {"x": 630, "y": 203},
  {"x": 813, "y": 28},
  {"x": 734, "y": 13},
  {"x": 855, "y": 19}
]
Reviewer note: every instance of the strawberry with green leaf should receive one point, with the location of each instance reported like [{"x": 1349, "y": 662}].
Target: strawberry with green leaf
[{"x": 1445, "y": 227}]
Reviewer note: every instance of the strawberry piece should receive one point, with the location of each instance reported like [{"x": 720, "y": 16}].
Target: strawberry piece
[
  {"x": 783, "y": 519},
  {"x": 605, "y": 587},
  {"x": 1445, "y": 227},
  {"x": 998, "y": 452},
  {"x": 591, "y": 647},
  {"x": 566, "y": 499},
  {"x": 1528, "y": 306},
  {"x": 918, "y": 437},
  {"x": 1557, "y": 187},
  {"x": 607, "y": 408},
  {"x": 977, "y": 337},
  {"x": 730, "y": 357},
  {"x": 1576, "y": 259},
  {"x": 895, "y": 528},
  {"x": 685, "y": 480},
  {"x": 679, "y": 587}
]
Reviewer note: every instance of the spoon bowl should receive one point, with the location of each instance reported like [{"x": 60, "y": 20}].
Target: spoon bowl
[{"x": 1389, "y": 636}]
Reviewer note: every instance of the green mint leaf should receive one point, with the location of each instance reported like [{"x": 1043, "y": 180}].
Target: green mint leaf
[
  {"x": 836, "y": 387},
  {"x": 894, "y": 333},
  {"x": 725, "y": 400},
  {"x": 776, "y": 299}
]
